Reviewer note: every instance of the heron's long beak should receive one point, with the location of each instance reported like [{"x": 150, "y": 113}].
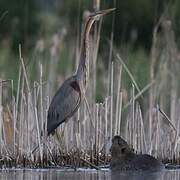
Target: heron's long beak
[
  {"x": 106, "y": 11},
  {"x": 102, "y": 12}
]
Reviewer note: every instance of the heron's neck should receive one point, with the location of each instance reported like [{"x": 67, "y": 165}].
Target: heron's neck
[{"x": 83, "y": 68}]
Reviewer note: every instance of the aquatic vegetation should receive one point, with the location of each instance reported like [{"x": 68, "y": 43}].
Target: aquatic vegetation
[{"x": 147, "y": 117}]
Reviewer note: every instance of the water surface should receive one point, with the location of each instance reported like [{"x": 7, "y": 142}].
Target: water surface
[{"x": 83, "y": 174}]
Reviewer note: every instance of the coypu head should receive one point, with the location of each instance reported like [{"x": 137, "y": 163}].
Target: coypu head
[{"x": 120, "y": 149}]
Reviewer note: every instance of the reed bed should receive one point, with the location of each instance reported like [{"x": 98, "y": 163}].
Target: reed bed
[{"x": 86, "y": 138}]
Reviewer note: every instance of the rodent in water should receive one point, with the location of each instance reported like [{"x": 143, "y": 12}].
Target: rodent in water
[{"x": 124, "y": 158}]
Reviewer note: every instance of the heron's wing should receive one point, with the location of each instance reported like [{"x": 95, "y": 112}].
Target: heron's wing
[{"x": 64, "y": 104}]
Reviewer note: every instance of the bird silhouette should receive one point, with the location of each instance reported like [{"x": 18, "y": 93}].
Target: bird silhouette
[{"x": 71, "y": 93}]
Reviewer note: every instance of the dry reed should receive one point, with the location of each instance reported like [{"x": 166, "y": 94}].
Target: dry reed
[{"x": 87, "y": 135}]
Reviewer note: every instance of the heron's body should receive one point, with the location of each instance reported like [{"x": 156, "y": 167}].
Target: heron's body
[
  {"x": 65, "y": 102},
  {"x": 70, "y": 95}
]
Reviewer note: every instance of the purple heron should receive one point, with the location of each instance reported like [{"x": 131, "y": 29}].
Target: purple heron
[{"x": 71, "y": 93}]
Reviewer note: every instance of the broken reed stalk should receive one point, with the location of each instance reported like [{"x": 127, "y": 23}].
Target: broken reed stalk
[
  {"x": 133, "y": 119},
  {"x": 41, "y": 98},
  {"x": 96, "y": 125},
  {"x": 106, "y": 126},
  {"x": 138, "y": 138},
  {"x": 118, "y": 103},
  {"x": 24, "y": 69},
  {"x": 147, "y": 87},
  {"x": 157, "y": 135},
  {"x": 100, "y": 128},
  {"x": 142, "y": 131},
  {"x": 111, "y": 113},
  {"x": 128, "y": 71},
  {"x": 1, "y": 118},
  {"x": 171, "y": 124},
  {"x": 120, "y": 112}
]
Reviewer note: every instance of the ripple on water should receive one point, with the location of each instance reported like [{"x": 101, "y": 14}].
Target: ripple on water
[{"x": 84, "y": 174}]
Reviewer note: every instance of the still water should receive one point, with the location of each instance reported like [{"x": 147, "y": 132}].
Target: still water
[{"x": 83, "y": 174}]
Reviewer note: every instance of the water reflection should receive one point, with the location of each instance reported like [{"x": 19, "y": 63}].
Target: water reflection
[
  {"x": 135, "y": 176},
  {"x": 164, "y": 175},
  {"x": 83, "y": 174}
]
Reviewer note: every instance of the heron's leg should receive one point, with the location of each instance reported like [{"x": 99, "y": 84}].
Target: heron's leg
[
  {"x": 59, "y": 136},
  {"x": 65, "y": 124},
  {"x": 88, "y": 108}
]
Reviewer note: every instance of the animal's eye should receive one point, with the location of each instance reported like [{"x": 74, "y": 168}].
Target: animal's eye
[{"x": 123, "y": 150}]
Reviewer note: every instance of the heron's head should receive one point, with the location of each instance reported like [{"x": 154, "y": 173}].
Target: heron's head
[{"x": 96, "y": 15}]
